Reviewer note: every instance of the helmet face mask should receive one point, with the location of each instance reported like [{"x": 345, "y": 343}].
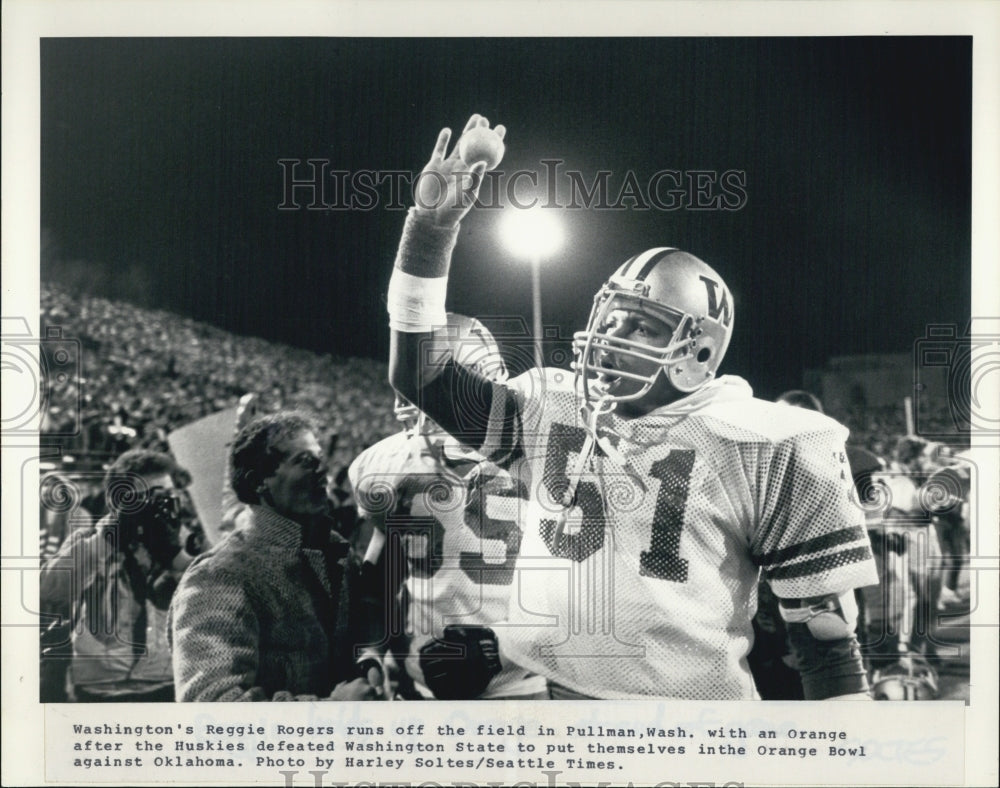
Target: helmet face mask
[
  {"x": 406, "y": 412},
  {"x": 680, "y": 291},
  {"x": 416, "y": 424}
]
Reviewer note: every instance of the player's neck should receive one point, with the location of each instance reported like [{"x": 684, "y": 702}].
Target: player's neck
[{"x": 662, "y": 393}]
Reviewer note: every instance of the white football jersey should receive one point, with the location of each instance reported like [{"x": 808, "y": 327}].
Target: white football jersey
[
  {"x": 455, "y": 515},
  {"x": 649, "y": 586}
]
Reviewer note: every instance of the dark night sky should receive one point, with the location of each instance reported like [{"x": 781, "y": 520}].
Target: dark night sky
[{"x": 160, "y": 177}]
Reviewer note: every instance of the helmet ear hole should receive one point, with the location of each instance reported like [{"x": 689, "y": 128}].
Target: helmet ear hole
[{"x": 704, "y": 355}]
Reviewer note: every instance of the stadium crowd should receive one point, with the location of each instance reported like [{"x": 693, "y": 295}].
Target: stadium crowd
[{"x": 145, "y": 373}]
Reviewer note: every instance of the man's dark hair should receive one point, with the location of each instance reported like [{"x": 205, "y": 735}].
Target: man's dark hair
[
  {"x": 254, "y": 457},
  {"x": 120, "y": 482},
  {"x": 801, "y": 399}
]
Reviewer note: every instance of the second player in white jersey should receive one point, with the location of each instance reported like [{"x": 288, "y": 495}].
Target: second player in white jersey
[
  {"x": 455, "y": 521},
  {"x": 452, "y": 517}
]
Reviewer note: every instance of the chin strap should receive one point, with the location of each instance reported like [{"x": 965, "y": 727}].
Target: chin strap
[{"x": 590, "y": 417}]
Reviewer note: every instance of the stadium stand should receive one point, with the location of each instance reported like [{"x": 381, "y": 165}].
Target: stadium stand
[{"x": 145, "y": 373}]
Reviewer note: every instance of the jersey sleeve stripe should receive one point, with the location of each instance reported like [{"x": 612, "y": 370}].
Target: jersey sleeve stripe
[
  {"x": 821, "y": 564},
  {"x": 824, "y": 542}
]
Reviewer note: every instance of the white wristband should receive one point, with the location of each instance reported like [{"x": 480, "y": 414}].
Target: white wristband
[{"x": 416, "y": 303}]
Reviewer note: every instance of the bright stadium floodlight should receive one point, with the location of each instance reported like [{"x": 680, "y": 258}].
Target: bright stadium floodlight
[{"x": 532, "y": 234}]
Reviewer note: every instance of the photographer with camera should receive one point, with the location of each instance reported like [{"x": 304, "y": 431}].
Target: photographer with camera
[{"x": 118, "y": 578}]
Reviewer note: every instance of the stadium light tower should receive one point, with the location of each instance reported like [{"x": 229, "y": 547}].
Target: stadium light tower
[{"x": 532, "y": 234}]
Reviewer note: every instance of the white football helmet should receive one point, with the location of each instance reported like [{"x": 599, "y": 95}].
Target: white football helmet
[
  {"x": 471, "y": 345},
  {"x": 677, "y": 288}
]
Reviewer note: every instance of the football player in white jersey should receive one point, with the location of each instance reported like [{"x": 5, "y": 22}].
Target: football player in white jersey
[
  {"x": 657, "y": 492},
  {"x": 444, "y": 524}
]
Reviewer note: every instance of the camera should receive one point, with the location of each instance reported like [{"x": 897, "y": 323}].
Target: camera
[
  {"x": 952, "y": 376},
  {"x": 42, "y": 378},
  {"x": 158, "y": 521},
  {"x": 155, "y": 523}
]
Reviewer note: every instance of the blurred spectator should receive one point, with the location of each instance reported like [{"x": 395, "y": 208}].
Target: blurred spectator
[
  {"x": 117, "y": 579},
  {"x": 946, "y": 493},
  {"x": 61, "y": 512},
  {"x": 901, "y": 611}
]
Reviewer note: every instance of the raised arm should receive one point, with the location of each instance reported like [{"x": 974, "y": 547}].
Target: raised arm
[{"x": 444, "y": 192}]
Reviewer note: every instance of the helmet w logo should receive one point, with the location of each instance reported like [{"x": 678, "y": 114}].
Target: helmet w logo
[{"x": 716, "y": 307}]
